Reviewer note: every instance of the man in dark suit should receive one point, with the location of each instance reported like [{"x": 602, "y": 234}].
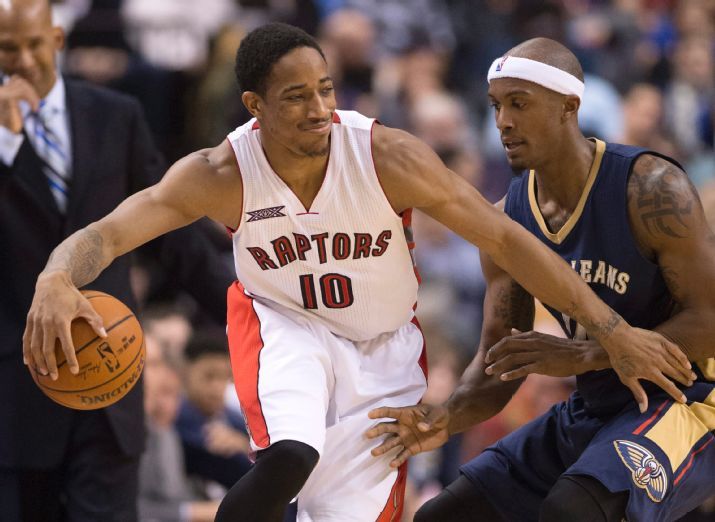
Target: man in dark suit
[{"x": 69, "y": 154}]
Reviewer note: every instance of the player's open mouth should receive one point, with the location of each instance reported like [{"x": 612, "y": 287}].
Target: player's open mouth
[{"x": 511, "y": 146}]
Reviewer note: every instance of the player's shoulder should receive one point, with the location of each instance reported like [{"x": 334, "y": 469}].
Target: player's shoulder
[
  {"x": 652, "y": 173},
  {"x": 217, "y": 162}
]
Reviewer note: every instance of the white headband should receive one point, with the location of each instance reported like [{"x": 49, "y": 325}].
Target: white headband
[{"x": 545, "y": 75}]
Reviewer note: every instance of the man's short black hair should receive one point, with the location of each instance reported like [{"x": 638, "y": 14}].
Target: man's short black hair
[
  {"x": 263, "y": 47},
  {"x": 205, "y": 342}
]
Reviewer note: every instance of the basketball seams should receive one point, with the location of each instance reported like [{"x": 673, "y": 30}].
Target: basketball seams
[{"x": 94, "y": 393}]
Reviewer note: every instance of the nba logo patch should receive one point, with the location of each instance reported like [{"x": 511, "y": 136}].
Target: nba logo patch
[
  {"x": 501, "y": 63},
  {"x": 646, "y": 472}
]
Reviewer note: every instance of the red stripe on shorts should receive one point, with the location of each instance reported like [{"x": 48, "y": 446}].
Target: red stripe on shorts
[
  {"x": 690, "y": 461},
  {"x": 647, "y": 423},
  {"x": 396, "y": 501},
  {"x": 245, "y": 344}
]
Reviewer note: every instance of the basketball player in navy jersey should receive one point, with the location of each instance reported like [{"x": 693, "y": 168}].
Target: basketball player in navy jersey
[
  {"x": 631, "y": 225},
  {"x": 321, "y": 326}
]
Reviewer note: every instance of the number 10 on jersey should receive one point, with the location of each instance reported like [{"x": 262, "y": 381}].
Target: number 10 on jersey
[{"x": 336, "y": 291}]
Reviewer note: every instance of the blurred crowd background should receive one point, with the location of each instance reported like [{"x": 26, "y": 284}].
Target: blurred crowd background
[{"x": 415, "y": 64}]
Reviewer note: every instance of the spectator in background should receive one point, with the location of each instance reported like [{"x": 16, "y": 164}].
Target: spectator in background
[
  {"x": 642, "y": 120},
  {"x": 165, "y": 492},
  {"x": 69, "y": 153},
  {"x": 690, "y": 93},
  {"x": 348, "y": 39},
  {"x": 170, "y": 326},
  {"x": 213, "y": 436}
]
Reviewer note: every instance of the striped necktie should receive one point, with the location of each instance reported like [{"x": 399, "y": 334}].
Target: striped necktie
[{"x": 52, "y": 152}]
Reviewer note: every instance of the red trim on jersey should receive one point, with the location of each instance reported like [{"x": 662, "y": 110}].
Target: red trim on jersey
[
  {"x": 690, "y": 461},
  {"x": 245, "y": 344},
  {"x": 255, "y": 125},
  {"x": 423, "y": 356},
  {"x": 396, "y": 500},
  {"x": 647, "y": 423},
  {"x": 336, "y": 118},
  {"x": 407, "y": 226},
  {"x": 232, "y": 231}
]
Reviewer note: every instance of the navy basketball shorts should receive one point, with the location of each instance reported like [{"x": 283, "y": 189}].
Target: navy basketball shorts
[{"x": 664, "y": 457}]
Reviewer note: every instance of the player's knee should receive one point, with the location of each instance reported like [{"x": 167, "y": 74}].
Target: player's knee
[
  {"x": 288, "y": 461},
  {"x": 583, "y": 499},
  {"x": 459, "y": 502}
]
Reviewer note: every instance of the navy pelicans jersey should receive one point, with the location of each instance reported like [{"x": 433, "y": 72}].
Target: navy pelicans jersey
[
  {"x": 345, "y": 261},
  {"x": 598, "y": 243}
]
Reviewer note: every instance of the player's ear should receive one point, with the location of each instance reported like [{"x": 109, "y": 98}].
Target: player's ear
[
  {"x": 570, "y": 107},
  {"x": 253, "y": 103}
]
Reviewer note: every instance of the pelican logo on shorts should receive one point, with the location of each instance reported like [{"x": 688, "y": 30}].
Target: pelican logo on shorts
[
  {"x": 108, "y": 356},
  {"x": 501, "y": 63},
  {"x": 647, "y": 473},
  {"x": 266, "y": 213}
]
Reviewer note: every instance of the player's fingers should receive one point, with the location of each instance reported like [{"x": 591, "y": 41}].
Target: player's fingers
[
  {"x": 673, "y": 370},
  {"x": 65, "y": 336},
  {"x": 381, "y": 429},
  {"x": 36, "y": 349},
  {"x": 388, "y": 444},
  {"x": 508, "y": 362},
  {"x": 387, "y": 412},
  {"x": 519, "y": 373},
  {"x": 48, "y": 352},
  {"x": 93, "y": 318},
  {"x": 683, "y": 364},
  {"x": 26, "y": 341},
  {"x": 638, "y": 393},
  {"x": 668, "y": 385},
  {"x": 401, "y": 458}
]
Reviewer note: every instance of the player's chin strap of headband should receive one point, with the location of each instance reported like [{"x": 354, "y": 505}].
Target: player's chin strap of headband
[{"x": 545, "y": 75}]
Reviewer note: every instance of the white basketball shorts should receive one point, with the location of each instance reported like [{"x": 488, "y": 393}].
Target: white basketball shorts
[{"x": 298, "y": 381}]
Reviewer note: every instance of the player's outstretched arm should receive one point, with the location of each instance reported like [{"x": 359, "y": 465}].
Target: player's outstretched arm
[
  {"x": 413, "y": 176},
  {"x": 479, "y": 396},
  {"x": 194, "y": 187}
]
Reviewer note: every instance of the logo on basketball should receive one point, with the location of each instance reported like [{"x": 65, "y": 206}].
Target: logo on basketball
[
  {"x": 646, "y": 472},
  {"x": 266, "y": 213},
  {"x": 109, "y": 358}
]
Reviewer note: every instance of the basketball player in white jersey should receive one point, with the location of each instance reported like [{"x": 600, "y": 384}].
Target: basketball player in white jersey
[{"x": 321, "y": 323}]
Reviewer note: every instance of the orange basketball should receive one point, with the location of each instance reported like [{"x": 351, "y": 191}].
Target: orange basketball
[{"x": 108, "y": 368}]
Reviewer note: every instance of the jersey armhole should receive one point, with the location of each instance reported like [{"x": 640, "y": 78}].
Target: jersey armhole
[
  {"x": 232, "y": 231},
  {"x": 377, "y": 174}
]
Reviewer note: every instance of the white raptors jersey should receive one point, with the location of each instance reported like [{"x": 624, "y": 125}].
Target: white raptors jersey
[{"x": 346, "y": 261}]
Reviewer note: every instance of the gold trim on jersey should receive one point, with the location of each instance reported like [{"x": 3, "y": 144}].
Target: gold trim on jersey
[
  {"x": 559, "y": 236},
  {"x": 681, "y": 427}
]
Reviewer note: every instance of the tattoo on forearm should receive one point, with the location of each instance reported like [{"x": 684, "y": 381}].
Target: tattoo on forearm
[
  {"x": 515, "y": 307},
  {"x": 601, "y": 330},
  {"x": 663, "y": 196},
  {"x": 80, "y": 256}
]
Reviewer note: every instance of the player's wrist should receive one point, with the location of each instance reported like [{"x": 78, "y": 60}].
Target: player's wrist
[{"x": 52, "y": 277}]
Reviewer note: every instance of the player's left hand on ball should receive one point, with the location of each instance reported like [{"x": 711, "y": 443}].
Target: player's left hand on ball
[
  {"x": 415, "y": 429},
  {"x": 56, "y": 303},
  {"x": 650, "y": 356}
]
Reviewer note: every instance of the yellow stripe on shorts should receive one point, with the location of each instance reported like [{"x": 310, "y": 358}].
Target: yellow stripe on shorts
[{"x": 681, "y": 427}]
